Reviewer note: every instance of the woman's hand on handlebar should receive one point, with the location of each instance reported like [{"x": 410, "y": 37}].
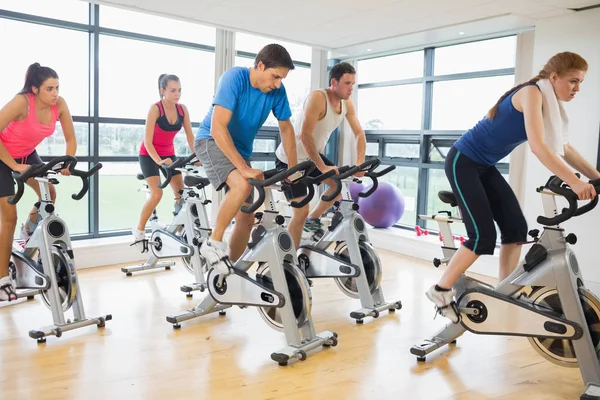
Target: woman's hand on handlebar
[
  {"x": 165, "y": 161},
  {"x": 252, "y": 173},
  {"x": 20, "y": 168},
  {"x": 584, "y": 191},
  {"x": 65, "y": 172}
]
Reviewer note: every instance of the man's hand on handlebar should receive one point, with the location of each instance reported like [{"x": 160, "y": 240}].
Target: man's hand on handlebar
[
  {"x": 252, "y": 173},
  {"x": 327, "y": 168},
  {"x": 360, "y": 174}
]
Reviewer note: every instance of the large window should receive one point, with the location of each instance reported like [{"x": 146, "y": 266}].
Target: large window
[
  {"x": 131, "y": 50},
  {"x": 391, "y": 107},
  {"x": 123, "y": 59},
  {"x": 476, "y": 56},
  {"x": 70, "y": 10},
  {"x": 69, "y": 58},
  {"x": 460, "y": 104},
  {"x": 108, "y": 60},
  {"x": 55, "y": 145},
  {"x": 414, "y": 106},
  {"x": 397, "y": 67},
  {"x": 120, "y": 197}
]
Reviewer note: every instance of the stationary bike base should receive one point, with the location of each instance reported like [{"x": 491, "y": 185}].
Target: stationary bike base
[
  {"x": 448, "y": 335},
  {"x": 360, "y": 314},
  {"x": 592, "y": 392},
  {"x": 188, "y": 289},
  {"x": 29, "y": 294},
  {"x": 146, "y": 266},
  {"x": 57, "y": 330},
  {"x": 207, "y": 306},
  {"x": 289, "y": 353}
]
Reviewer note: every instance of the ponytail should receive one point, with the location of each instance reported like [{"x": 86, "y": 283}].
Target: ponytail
[
  {"x": 561, "y": 64},
  {"x": 163, "y": 81},
  {"x": 494, "y": 110},
  {"x": 35, "y": 76}
]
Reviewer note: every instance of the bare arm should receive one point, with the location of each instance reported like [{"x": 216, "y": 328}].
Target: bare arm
[
  {"x": 13, "y": 110},
  {"x": 315, "y": 109},
  {"x": 66, "y": 122},
  {"x": 576, "y": 160},
  {"x": 288, "y": 139},
  {"x": 218, "y": 130},
  {"x": 361, "y": 144},
  {"x": 187, "y": 127},
  {"x": 153, "y": 115},
  {"x": 531, "y": 103}
]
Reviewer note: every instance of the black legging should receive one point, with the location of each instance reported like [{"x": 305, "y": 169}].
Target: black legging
[{"x": 483, "y": 195}]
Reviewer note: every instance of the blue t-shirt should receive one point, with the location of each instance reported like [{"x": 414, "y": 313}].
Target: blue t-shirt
[
  {"x": 249, "y": 106},
  {"x": 490, "y": 140}
]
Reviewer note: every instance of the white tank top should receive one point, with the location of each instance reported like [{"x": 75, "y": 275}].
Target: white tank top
[{"x": 323, "y": 129}]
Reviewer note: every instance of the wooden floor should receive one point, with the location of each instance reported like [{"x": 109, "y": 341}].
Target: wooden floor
[{"x": 140, "y": 356}]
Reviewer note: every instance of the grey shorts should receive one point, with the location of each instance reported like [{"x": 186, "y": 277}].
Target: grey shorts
[{"x": 216, "y": 164}]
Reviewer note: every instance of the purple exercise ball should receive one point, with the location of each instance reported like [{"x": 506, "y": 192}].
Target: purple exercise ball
[
  {"x": 384, "y": 207},
  {"x": 355, "y": 189}
]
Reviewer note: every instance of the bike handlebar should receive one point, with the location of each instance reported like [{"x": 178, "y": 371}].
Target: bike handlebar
[
  {"x": 274, "y": 176},
  {"x": 180, "y": 162},
  {"x": 556, "y": 185},
  {"x": 39, "y": 170},
  {"x": 369, "y": 166}
]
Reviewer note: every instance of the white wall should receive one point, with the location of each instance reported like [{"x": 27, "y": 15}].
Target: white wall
[{"x": 577, "y": 32}]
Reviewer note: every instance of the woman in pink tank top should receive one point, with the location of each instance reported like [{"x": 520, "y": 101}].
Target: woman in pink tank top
[
  {"x": 25, "y": 122},
  {"x": 165, "y": 119}
]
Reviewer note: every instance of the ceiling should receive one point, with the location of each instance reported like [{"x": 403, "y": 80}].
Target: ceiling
[{"x": 353, "y": 27}]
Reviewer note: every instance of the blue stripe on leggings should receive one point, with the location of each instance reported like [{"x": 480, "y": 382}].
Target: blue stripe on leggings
[{"x": 463, "y": 200}]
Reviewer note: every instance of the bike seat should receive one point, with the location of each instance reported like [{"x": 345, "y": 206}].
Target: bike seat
[
  {"x": 140, "y": 176},
  {"x": 447, "y": 197},
  {"x": 196, "y": 181}
]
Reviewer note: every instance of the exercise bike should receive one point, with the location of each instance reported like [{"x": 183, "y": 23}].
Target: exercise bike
[
  {"x": 46, "y": 262},
  {"x": 543, "y": 299},
  {"x": 354, "y": 264},
  {"x": 280, "y": 291},
  {"x": 186, "y": 232}
]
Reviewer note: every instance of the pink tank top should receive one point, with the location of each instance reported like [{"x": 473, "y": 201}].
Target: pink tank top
[
  {"x": 164, "y": 133},
  {"x": 22, "y": 137}
]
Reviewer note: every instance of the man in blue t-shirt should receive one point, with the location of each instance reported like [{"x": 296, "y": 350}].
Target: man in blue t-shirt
[{"x": 243, "y": 101}]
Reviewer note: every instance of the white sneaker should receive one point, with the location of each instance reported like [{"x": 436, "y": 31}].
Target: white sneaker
[
  {"x": 444, "y": 302},
  {"x": 215, "y": 254},
  {"x": 138, "y": 237},
  {"x": 7, "y": 289}
]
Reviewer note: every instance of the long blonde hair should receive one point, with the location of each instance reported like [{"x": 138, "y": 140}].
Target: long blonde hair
[{"x": 561, "y": 63}]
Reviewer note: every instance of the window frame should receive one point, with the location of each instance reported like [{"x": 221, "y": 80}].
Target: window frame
[
  {"x": 93, "y": 120},
  {"x": 425, "y": 137}
]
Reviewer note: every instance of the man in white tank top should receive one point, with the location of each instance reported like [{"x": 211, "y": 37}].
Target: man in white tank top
[{"x": 323, "y": 112}]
